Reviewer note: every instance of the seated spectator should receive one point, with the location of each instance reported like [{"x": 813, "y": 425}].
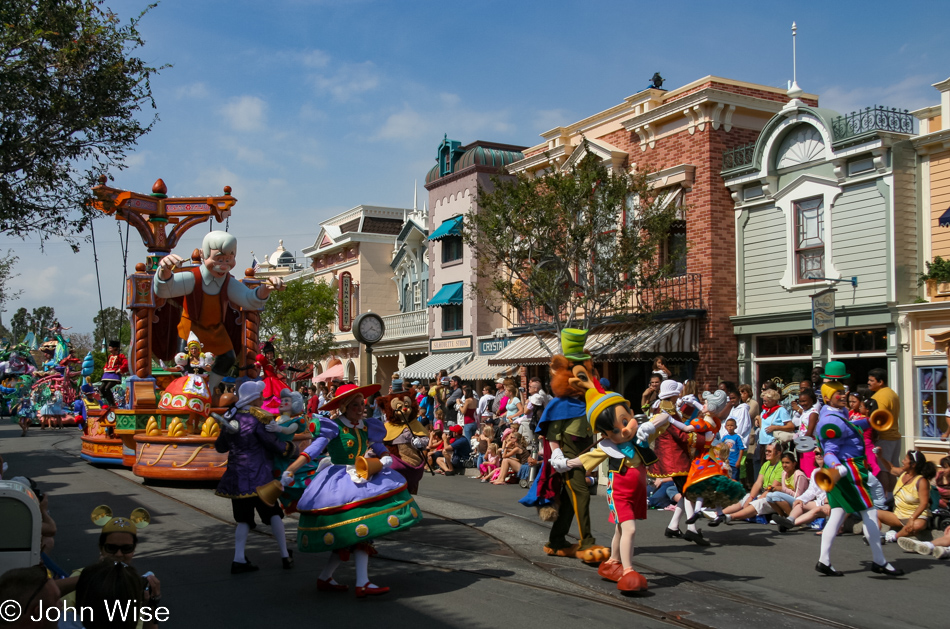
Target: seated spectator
[
  {"x": 456, "y": 450},
  {"x": 939, "y": 548},
  {"x": 664, "y": 494},
  {"x": 485, "y": 437},
  {"x": 756, "y": 501},
  {"x": 513, "y": 456},
  {"x": 793, "y": 484},
  {"x": 911, "y": 515},
  {"x": 434, "y": 450},
  {"x": 810, "y": 505},
  {"x": 491, "y": 462},
  {"x": 942, "y": 481},
  {"x": 105, "y": 584},
  {"x": 32, "y": 589}
]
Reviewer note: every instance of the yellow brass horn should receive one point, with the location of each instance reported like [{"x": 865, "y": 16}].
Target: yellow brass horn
[
  {"x": 140, "y": 518},
  {"x": 826, "y": 478},
  {"x": 270, "y": 492},
  {"x": 366, "y": 466},
  {"x": 101, "y": 515},
  {"x": 881, "y": 419}
]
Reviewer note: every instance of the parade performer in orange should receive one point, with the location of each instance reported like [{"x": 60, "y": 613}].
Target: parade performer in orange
[
  {"x": 207, "y": 292},
  {"x": 560, "y": 491}
]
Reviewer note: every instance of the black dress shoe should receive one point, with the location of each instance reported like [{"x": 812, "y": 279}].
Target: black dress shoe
[
  {"x": 672, "y": 533},
  {"x": 696, "y": 515},
  {"x": 828, "y": 571},
  {"x": 696, "y": 538},
  {"x": 288, "y": 561},
  {"x": 888, "y": 572},
  {"x": 719, "y": 520},
  {"x": 241, "y": 568}
]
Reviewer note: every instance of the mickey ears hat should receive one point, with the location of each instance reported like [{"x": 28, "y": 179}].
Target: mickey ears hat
[
  {"x": 572, "y": 344},
  {"x": 137, "y": 520},
  {"x": 598, "y": 402}
]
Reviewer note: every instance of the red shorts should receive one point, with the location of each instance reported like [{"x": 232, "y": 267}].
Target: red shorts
[{"x": 627, "y": 494}]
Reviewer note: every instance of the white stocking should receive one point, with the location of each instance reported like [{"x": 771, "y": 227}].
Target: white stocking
[
  {"x": 362, "y": 568},
  {"x": 688, "y": 506},
  {"x": 240, "y": 541},
  {"x": 698, "y": 504},
  {"x": 829, "y": 533},
  {"x": 872, "y": 533},
  {"x": 332, "y": 564},
  {"x": 677, "y": 515},
  {"x": 277, "y": 526}
]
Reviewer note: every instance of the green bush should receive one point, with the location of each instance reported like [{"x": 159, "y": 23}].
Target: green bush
[{"x": 938, "y": 270}]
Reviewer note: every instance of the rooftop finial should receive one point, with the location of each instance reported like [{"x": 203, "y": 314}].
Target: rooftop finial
[{"x": 793, "y": 90}]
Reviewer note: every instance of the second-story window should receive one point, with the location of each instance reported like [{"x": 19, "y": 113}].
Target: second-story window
[
  {"x": 809, "y": 239},
  {"x": 674, "y": 249},
  {"x": 451, "y": 318},
  {"x": 451, "y": 248}
]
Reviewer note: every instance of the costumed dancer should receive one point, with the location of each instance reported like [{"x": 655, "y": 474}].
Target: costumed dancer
[
  {"x": 207, "y": 292},
  {"x": 560, "y": 491},
  {"x": 52, "y": 411},
  {"x": 675, "y": 453},
  {"x": 251, "y": 450},
  {"x": 117, "y": 366},
  {"x": 406, "y": 437},
  {"x": 62, "y": 343},
  {"x": 627, "y": 448},
  {"x": 25, "y": 407},
  {"x": 272, "y": 369},
  {"x": 292, "y": 421},
  {"x": 189, "y": 391},
  {"x": 355, "y": 496},
  {"x": 709, "y": 481},
  {"x": 844, "y": 475}
]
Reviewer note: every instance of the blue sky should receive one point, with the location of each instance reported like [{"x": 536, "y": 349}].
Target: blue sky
[{"x": 308, "y": 108}]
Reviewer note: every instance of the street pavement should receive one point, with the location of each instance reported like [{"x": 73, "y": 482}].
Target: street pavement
[{"x": 475, "y": 561}]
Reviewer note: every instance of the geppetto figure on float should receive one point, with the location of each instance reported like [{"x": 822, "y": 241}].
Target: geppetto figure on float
[
  {"x": 251, "y": 451},
  {"x": 626, "y": 447},
  {"x": 207, "y": 293},
  {"x": 355, "y": 496},
  {"x": 117, "y": 366},
  {"x": 292, "y": 421},
  {"x": 189, "y": 392},
  {"x": 560, "y": 491},
  {"x": 405, "y": 436},
  {"x": 845, "y": 473}
]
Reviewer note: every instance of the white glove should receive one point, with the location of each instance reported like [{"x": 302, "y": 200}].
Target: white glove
[
  {"x": 272, "y": 427},
  {"x": 645, "y": 431},
  {"x": 386, "y": 461},
  {"x": 354, "y": 476},
  {"x": 843, "y": 471},
  {"x": 286, "y": 479},
  {"x": 558, "y": 461},
  {"x": 420, "y": 442}
]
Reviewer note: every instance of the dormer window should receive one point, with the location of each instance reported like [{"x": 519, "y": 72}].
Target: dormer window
[{"x": 809, "y": 239}]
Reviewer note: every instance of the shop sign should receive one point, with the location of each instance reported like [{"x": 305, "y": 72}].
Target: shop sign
[
  {"x": 454, "y": 344},
  {"x": 345, "y": 302},
  {"x": 488, "y": 347},
  {"x": 823, "y": 311}
]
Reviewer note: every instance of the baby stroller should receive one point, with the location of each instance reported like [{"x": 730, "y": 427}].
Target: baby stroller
[{"x": 939, "y": 517}]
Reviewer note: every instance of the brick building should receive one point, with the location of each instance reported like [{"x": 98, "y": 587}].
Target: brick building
[{"x": 680, "y": 135}]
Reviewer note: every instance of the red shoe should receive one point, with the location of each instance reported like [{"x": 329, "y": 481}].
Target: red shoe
[
  {"x": 327, "y": 586},
  {"x": 611, "y": 570},
  {"x": 632, "y": 581},
  {"x": 370, "y": 590}
]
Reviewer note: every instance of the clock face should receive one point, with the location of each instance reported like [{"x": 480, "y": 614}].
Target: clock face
[{"x": 371, "y": 328}]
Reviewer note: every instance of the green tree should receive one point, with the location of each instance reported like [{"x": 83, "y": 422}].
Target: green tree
[
  {"x": 20, "y": 324},
  {"x": 300, "y": 317},
  {"x": 6, "y": 275},
  {"x": 573, "y": 249},
  {"x": 72, "y": 95},
  {"x": 111, "y": 324}
]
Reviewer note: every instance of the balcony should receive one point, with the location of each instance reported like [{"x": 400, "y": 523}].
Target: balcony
[
  {"x": 406, "y": 324},
  {"x": 856, "y": 126},
  {"x": 739, "y": 157}
]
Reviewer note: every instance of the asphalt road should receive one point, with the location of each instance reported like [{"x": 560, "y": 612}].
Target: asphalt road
[{"x": 474, "y": 561}]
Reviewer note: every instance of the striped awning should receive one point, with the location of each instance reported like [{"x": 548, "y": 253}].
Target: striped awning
[
  {"x": 676, "y": 339},
  {"x": 479, "y": 369},
  {"x": 429, "y": 367}
]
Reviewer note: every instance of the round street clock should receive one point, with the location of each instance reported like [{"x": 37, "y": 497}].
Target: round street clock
[{"x": 368, "y": 328}]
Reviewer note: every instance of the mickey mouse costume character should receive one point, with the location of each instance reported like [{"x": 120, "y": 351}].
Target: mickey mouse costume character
[{"x": 560, "y": 490}]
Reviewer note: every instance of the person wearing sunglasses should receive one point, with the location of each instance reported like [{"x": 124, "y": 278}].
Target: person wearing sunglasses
[{"x": 33, "y": 591}]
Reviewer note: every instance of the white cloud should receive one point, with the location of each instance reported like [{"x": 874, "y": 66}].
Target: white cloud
[
  {"x": 404, "y": 124},
  {"x": 315, "y": 59},
  {"x": 246, "y": 113},
  {"x": 135, "y": 160},
  {"x": 192, "y": 91},
  {"x": 409, "y": 124},
  {"x": 38, "y": 285},
  {"x": 349, "y": 81},
  {"x": 547, "y": 119},
  {"x": 911, "y": 93},
  {"x": 310, "y": 113}
]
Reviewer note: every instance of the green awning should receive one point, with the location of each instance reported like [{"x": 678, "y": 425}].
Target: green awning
[
  {"x": 451, "y": 227},
  {"x": 449, "y": 295}
]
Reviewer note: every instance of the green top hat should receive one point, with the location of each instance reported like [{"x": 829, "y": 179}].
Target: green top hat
[
  {"x": 572, "y": 344},
  {"x": 835, "y": 371}
]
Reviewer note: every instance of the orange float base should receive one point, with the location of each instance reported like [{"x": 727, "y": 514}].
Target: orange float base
[{"x": 178, "y": 458}]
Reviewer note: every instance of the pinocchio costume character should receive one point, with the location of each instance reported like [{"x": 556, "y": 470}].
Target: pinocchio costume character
[
  {"x": 405, "y": 436},
  {"x": 117, "y": 366},
  {"x": 626, "y": 447},
  {"x": 560, "y": 491}
]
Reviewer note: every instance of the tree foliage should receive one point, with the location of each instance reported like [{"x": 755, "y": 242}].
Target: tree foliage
[
  {"x": 111, "y": 324},
  {"x": 572, "y": 249},
  {"x": 38, "y": 322},
  {"x": 72, "y": 94},
  {"x": 6, "y": 276},
  {"x": 300, "y": 317}
]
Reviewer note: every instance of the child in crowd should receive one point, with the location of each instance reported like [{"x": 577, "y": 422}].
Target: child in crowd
[
  {"x": 439, "y": 420},
  {"x": 434, "y": 451},
  {"x": 485, "y": 437},
  {"x": 492, "y": 460},
  {"x": 736, "y": 447}
]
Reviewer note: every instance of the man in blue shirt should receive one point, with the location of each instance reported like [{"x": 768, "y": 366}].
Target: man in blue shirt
[{"x": 457, "y": 450}]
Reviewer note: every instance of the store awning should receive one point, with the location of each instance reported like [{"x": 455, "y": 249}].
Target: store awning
[
  {"x": 449, "y": 295},
  {"x": 945, "y": 219},
  {"x": 429, "y": 367},
  {"x": 479, "y": 369},
  {"x": 675, "y": 339},
  {"x": 451, "y": 227},
  {"x": 335, "y": 371}
]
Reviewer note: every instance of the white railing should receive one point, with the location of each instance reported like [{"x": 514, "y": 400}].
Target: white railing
[{"x": 415, "y": 323}]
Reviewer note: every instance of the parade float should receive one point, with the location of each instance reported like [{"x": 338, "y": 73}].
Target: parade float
[{"x": 163, "y": 433}]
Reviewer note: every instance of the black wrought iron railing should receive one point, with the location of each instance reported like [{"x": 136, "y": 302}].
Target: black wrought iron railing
[
  {"x": 738, "y": 157},
  {"x": 871, "y": 119}
]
